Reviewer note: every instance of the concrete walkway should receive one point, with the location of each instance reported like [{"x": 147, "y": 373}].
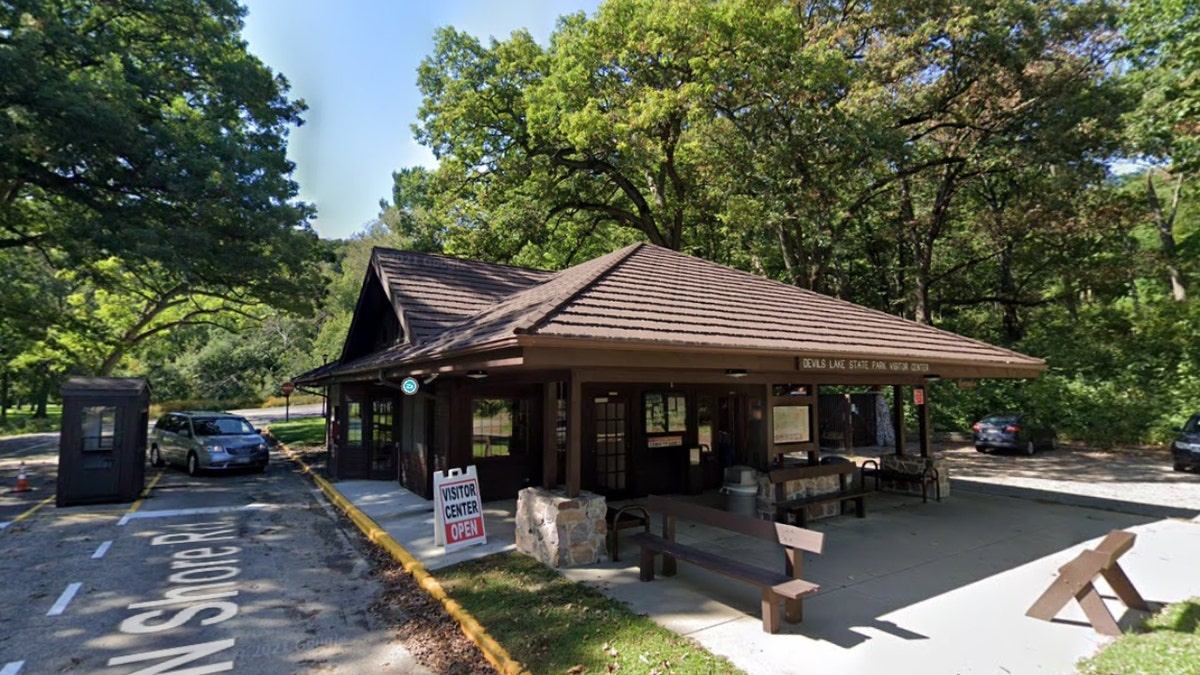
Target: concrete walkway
[{"x": 913, "y": 587}]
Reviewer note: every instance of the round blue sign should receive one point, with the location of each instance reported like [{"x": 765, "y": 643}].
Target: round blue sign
[{"x": 409, "y": 385}]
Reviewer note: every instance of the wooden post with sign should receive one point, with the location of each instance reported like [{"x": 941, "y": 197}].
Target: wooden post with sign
[
  {"x": 287, "y": 388},
  {"x": 458, "y": 509}
]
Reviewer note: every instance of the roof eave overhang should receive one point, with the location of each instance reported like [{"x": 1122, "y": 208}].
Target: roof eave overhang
[{"x": 562, "y": 352}]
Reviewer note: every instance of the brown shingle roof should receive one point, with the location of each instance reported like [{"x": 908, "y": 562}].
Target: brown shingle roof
[
  {"x": 662, "y": 296},
  {"x": 436, "y": 292},
  {"x": 649, "y": 295}
]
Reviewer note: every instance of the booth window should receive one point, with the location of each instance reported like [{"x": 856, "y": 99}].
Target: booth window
[
  {"x": 665, "y": 413},
  {"x": 499, "y": 427},
  {"x": 99, "y": 428}
]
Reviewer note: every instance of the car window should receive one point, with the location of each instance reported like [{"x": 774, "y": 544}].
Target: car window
[
  {"x": 163, "y": 423},
  {"x": 1193, "y": 425},
  {"x": 220, "y": 426},
  {"x": 1000, "y": 419}
]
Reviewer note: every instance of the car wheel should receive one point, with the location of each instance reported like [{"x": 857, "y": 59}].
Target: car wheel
[
  {"x": 1179, "y": 467},
  {"x": 1053, "y": 442},
  {"x": 261, "y": 468},
  {"x": 981, "y": 448},
  {"x": 193, "y": 464},
  {"x": 155, "y": 456},
  {"x": 1029, "y": 448}
]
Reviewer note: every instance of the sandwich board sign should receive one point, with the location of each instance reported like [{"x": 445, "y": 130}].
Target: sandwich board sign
[{"x": 458, "y": 509}]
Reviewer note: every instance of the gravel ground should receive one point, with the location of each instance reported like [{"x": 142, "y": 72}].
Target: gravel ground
[{"x": 1142, "y": 475}]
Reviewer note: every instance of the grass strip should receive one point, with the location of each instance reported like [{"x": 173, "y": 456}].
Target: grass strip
[
  {"x": 554, "y": 625},
  {"x": 1168, "y": 644}
]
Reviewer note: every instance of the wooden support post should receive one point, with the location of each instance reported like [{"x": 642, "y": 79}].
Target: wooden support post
[
  {"x": 1075, "y": 580},
  {"x": 924, "y": 426},
  {"x": 898, "y": 417},
  {"x": 574, "y": 436},
  {"x": 550, "y": 435}
]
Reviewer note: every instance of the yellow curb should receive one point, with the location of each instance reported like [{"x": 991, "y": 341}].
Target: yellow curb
[
  {"x": 496, "y": 654},
  {"x": 32, "y": 511}
]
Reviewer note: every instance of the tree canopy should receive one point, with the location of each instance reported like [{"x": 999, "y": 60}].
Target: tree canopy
[{"x": 143, "y": 158}]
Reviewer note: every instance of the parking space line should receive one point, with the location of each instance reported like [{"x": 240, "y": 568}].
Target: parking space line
[
  {"x": 102, "y": 550},
  {"x": 60, "y": 605},
  {"x": 12, "y": 668},
  {"x": 187, "y": 512}
]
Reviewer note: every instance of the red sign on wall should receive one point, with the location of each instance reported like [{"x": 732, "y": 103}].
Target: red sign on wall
[{"x": 919, "y": 396}]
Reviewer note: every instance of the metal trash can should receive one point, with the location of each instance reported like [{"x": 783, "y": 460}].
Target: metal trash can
[{"x": 741, "y": 491}]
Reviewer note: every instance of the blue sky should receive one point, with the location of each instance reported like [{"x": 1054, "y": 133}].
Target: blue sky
[{"x": 354, "y": 62}]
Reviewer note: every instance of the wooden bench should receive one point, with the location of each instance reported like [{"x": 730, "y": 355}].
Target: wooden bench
[
  {"x": 849, "y": 490},
  {"x": 929, "y": 476},
  {"x": 1075, "y": 580},
  {"x": 784, "y": 587}
]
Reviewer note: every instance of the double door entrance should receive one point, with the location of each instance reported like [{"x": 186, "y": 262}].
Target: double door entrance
[{"x": 622, "y": 460}]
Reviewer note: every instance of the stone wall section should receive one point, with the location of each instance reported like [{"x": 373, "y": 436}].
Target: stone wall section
[
  {"x": 559, "y": 531},
  {"x": 915, "y": 464},
  {"x": 771, "y": 493}
]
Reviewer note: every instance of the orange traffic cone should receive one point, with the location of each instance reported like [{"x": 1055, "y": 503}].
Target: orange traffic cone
[{"x": 22, "y": 481}]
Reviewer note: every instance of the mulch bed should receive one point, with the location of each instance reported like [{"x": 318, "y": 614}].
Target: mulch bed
[{"x": 419, "y": 621}]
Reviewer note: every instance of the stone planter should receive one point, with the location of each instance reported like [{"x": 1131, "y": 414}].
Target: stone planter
[{"x": 560, "y": 531}]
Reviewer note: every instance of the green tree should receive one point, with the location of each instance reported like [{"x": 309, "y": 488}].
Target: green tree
[
  {"x": 143, "y": 132},
  {"x": 1164, "y": 59}
]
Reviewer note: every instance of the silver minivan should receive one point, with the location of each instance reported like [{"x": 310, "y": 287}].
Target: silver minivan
[{"x": 202, "y": 441}]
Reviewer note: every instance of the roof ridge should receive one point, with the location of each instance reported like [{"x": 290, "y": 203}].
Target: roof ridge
[
  {"x": 619, "y": 256},
  {"x": 465, "y": 262}
]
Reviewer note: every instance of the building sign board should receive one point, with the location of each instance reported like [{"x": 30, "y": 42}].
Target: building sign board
[
  {"x": 458, "y": 509},
  {"x": 664, "y": 441},
  {"x": 862, "y": 365},
  {"x": 919, "y": 396}
]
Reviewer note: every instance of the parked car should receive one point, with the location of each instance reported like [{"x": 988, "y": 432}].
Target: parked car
[
  {"x": 200, "y": 441},
  {"x": 1014, "y": 431},
  {"x": 1185, "y": 450}
]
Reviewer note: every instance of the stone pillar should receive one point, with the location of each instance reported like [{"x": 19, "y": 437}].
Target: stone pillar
[
  {"x": 910, "y": 464},
  {"x": 561, "y": 531}
]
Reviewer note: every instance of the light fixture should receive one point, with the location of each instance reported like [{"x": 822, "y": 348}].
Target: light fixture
[
  {"x": 736, "y": 372},
  {"x": 932, "y": 378},
  {"x": 476, "y": 374}
]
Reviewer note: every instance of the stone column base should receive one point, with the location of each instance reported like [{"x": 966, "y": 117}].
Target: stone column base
[
  {"x": 916, "y": 464},
  {"x": 559, "y": 531}
]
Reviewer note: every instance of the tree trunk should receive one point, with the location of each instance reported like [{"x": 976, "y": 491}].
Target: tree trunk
[
  {"x": 4, "y": 397},
  {"x": 1008, "y": 293},
  {"x": 1164, "y": 222}
]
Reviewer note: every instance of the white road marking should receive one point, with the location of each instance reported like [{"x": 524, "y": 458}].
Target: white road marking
[
  {"x": 2, "y": 526},
  {"x": 171, "y": 513},
  {"x": 102, "y": 550},
  {"x": 65, "y": 599},
  {"x": 12, "y": 668}
]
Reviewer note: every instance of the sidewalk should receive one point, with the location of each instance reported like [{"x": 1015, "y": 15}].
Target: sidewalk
[{"x": 939, "y": 587}]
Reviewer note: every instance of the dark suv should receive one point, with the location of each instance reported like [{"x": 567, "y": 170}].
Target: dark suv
[
  {"x": 207, "y": 440},
  {"x": 1185, "y": 450}
]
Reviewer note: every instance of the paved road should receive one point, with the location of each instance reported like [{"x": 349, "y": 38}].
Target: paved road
[{"x": 245, "y": 573}]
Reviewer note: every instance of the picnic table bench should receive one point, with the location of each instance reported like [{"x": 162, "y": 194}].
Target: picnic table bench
[
  {"x": 777, "y": 587},
  {"x": 928, "y": 476},
  {"x": 849, "y": 490}
]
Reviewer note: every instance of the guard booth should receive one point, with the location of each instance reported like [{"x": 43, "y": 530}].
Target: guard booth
[{"x": 102, "y": 447}]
